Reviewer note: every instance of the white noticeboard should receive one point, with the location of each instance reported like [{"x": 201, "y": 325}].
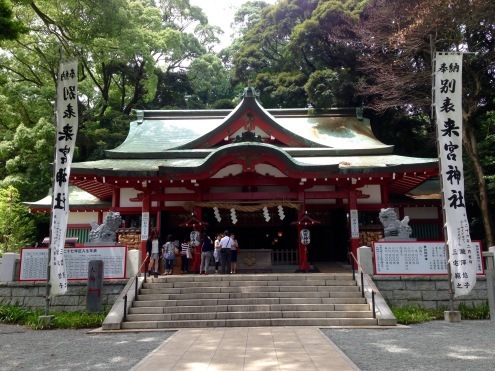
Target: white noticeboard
[
  {"x": 354, "y": 224},
  {"x": 34, "y": 262},
  {"x": 416, "y": 258}
]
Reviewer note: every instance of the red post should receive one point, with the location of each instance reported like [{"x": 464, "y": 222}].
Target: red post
[
  {"x": 146, "y": 206},
  {"x": 353, "y": 241},
  {"x": 303, "y": 251}
]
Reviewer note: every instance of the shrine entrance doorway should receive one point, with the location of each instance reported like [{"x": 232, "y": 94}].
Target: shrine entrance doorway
[{"x": 329, "y": 240}]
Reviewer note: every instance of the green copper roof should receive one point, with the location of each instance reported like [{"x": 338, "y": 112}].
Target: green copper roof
[
  {"x": 157, "y": 132},
  {"x": 337, "y": 163}
]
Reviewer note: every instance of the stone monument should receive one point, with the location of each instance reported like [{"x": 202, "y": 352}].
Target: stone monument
[
  {"x": 105, "y": 232},
  {"x": 393, "y": 228}
]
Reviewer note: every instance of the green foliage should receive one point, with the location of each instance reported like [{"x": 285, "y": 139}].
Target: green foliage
[
  {"x": 408, "y": 314},
  {"x": 329, "y": 88},
  {"x": 10, "y": 28},
  {"x": 15, "y": 314},
  {"x": 208, "y": 79},
  {"x": 473, "y": 312},
  {"x": 313, "y": 41},
  {"x": 486, "y": 147},
  {"x": 17, "y": 226},
  {"x": 223, "y": 104},
  {"x": 284, "y": 89},
  {"x": 132, "y": 54},
  {"x": 97, "y": 136},
  {"x": 25, "y": 157}
]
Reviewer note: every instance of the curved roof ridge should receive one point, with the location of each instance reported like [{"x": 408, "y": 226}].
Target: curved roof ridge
[{"x": 248, "y": 102}]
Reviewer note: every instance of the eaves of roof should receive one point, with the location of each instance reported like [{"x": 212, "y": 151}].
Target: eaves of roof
[
  {"x": 79, "y": 199},
  {"x": 344, "y": 163}
]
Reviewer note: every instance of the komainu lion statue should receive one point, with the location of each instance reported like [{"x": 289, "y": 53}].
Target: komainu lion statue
[
  {"x": 105, "y": 232},
  {"x": 393, "y": 227}
]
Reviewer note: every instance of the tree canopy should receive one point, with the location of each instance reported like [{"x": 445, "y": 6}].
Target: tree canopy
[{"x": 144, "y": 54}]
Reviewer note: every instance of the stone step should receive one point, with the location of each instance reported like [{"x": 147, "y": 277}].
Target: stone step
[
  {"x": 245, "y": 315},
  {"x": 313, "y": 299},
  {"x": 156, "y": 283},
  {"x": 157, "y": 289},
  {"x": 241, "y": 295},
  {"x": 253, "y": 277},
  {"x": 247, "y": 301},
  {"x": 147, "y": 325},
  {"x": 242, "y": 308}
]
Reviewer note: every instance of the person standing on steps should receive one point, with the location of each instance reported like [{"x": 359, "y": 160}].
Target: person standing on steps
[
  {"x": 234, "y": 251},
  {"x": 206, "y": 251},
  {"x": 216, "y": 252},
  {"x": 185, "y": 253},
  {"x": 169, "y": 255},
  {"x": 154, "y": 252},
  {"x": 225, "y": 252}
]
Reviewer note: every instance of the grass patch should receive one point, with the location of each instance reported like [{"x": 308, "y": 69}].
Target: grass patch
[
  {"x": 408, "y": 314},
  {"x": 15, "y": 314}
]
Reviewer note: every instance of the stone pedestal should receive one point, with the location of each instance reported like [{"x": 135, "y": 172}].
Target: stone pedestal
[
  {"x": 365, "y": 259},
  {"x": 7, "y": 268},
  {"x": 133, "y": 261},
  {"x": 452, "y": 316},
  {"x": 490, "y": 279}
]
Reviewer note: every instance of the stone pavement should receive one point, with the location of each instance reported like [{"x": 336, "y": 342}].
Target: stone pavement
[{"x": 247, "y": 348}]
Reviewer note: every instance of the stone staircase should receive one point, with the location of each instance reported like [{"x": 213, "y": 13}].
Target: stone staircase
[{"x": 315, "y": 299}]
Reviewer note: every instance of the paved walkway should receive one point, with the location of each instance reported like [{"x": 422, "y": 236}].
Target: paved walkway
[{"x": 247, "y": 348}]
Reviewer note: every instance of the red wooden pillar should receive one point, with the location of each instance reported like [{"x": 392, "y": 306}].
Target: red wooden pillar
[
  {"x": 145, "y": 208},
  {"x": 353, "y": 241},
  {"x": 115, "y": 197},
  {"x": 303, "y": 249}
]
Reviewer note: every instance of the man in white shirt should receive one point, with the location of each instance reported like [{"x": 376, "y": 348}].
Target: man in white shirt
[{"x": 225, "y": 254}]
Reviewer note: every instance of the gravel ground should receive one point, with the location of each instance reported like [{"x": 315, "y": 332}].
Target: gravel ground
[
  {"x": 438, "y": 345},
  {"x": 55, "y": 350}
]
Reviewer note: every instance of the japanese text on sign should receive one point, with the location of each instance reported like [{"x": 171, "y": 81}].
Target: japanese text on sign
[
  {"x": 34, "y": 261},
  {"x": 448, "y": 109},
  {"x": 417, "y": 258}
]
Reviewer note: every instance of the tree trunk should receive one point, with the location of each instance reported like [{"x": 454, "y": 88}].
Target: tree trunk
[{"x": 471, "y": 147}]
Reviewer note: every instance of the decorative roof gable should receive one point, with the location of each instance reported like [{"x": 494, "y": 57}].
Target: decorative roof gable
[{"x": 250, "y": 120}]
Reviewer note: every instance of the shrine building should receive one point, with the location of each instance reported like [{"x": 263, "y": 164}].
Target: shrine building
[{"x": 264, "y": 174}]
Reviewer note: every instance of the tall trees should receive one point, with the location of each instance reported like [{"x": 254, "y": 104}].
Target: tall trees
[
  {"x": 125, "y": 48},
  {"x": 397, "y": 65},
  {"x": 10, "y": 28},
  {"x": 294, "y": 39},
  {"x": 17, "y": 228}
]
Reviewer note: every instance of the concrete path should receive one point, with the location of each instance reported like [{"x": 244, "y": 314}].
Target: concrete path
[{"x": 247, "y": 348}]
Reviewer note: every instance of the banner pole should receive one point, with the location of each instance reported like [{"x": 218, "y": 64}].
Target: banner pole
[{"x": 48, "y": 285}]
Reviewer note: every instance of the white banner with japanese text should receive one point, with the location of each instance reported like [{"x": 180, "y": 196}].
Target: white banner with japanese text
[
  {"x": 67, "y": 125},
  {"x": 448, "y": 109}
]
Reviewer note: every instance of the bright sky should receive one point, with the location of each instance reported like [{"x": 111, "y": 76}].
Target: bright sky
[{"x": 221, "y": 13}]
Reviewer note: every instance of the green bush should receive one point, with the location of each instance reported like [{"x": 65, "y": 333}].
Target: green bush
[
  {"x": 408, "y": 314},
  {"x": 15, "y": 314}
]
